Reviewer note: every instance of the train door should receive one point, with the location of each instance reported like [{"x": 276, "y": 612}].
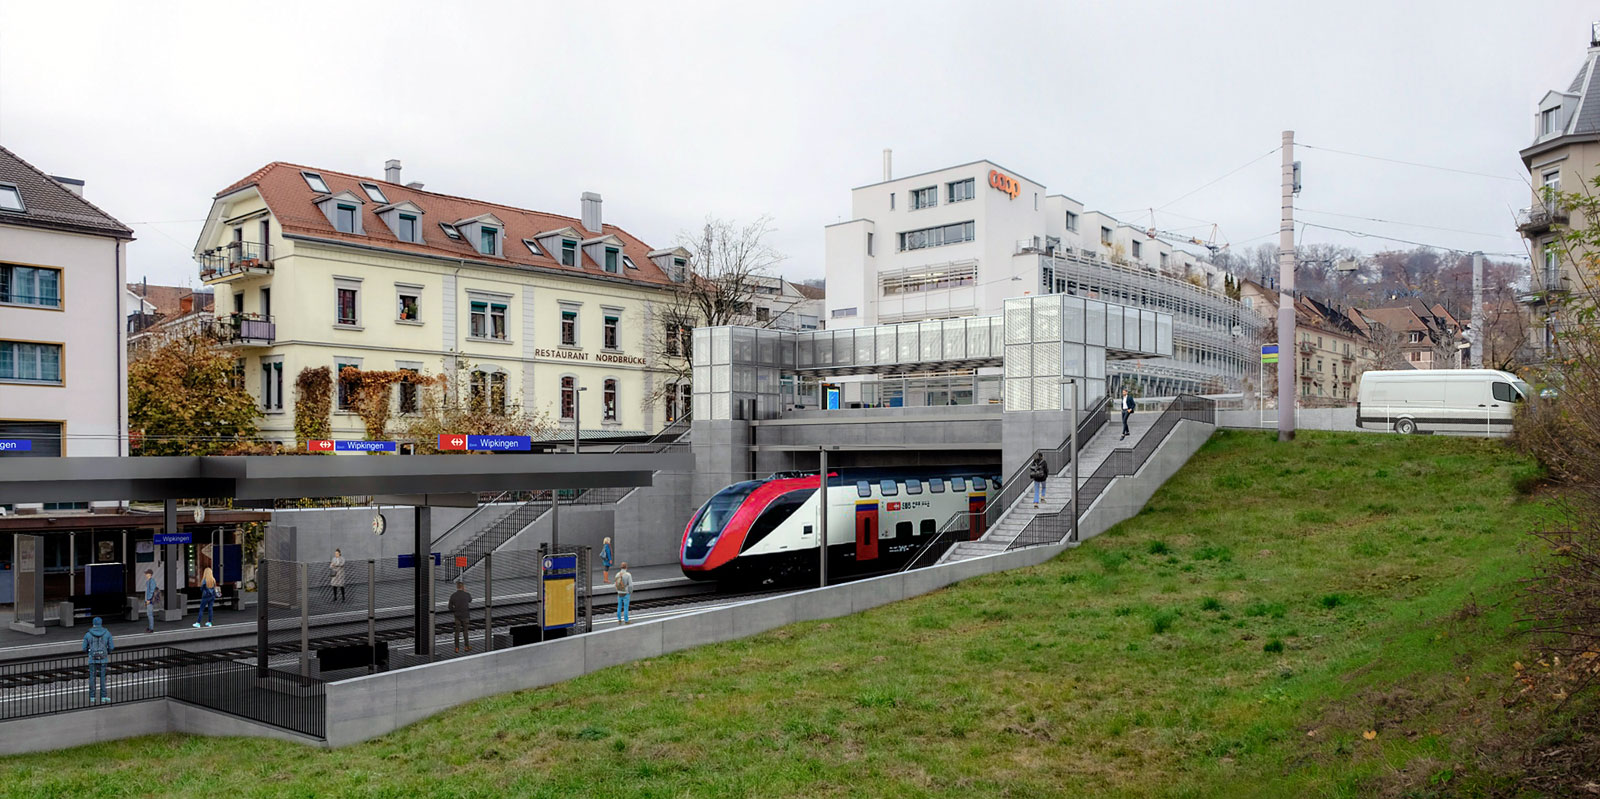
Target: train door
[
  {"x": 975, "y": 514},
  {"x": 866, "y": 531}
]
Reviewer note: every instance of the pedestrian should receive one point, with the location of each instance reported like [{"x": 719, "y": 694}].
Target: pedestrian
[
  {"x": 1039, "y": 470},
  {"x": 461, "y": 607},
  {"x": 1127, "y": 410},
  {"x": 151, "y": 594},
  {"x": 208, "y": 599},
  {"x": 624, "y": 592},
  {"x": 605, "y": 559},
  {"x": 97, "y": 642},
  {"x": 336, "y": 576}
]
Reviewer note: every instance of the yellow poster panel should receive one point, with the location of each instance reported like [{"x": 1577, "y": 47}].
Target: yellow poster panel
[{"x": 560, "y": 603}]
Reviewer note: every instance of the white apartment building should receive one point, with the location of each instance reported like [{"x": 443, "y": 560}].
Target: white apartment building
[
  {"x": 958, "y": 241},
  {"x": 63, "y": 343},
  {"x": 778, "y": 304}
]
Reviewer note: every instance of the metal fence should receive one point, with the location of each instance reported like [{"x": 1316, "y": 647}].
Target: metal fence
[
  {"x": 1053, "y": 528},
  {"x": 42, "y": 686},
  {"x": 281, "y": 699},
  {"x": 1056, "y": 459}
]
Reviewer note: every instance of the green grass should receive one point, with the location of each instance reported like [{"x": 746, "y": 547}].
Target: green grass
[{"x": 1274, "y": 603}]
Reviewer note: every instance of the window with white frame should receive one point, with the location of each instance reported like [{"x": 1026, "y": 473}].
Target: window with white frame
[
  {"x": 1163, "y": 260},
  {"x": 628, "y": 262},
  {"x": 569, "y": 396},
  {"x": 374, "y": 193},
  {"x": 272, "y": 384},
  {"x": 450, "y": 230},
  {"x": 924, "y": 198},
  {"x": 488, "y": 240},
  {"x": 869, "y": 244},
  {"x": 959, "y": 190},
  {"x": 409, "y": 229},
  {"x": 611, "y": 264},
  {"x": 569, "y": 252},
  {"x": 841, "y": 313},
  {"x": 1547, "y": 120},
  {"x": 611, "y": 335},
  {"x": 11, "y": 198},
  {"x": 1138, "y": 249},
  {"x": 347, "y": 302},
  {"x": 487, "y": 318},
  {"x": 1552, "y": 264},
  {"x": 608, "y": 399},
  {"x": 408, "y": 301},
  {"x": 937, "y": 236},
  {"x": 488, "y": 391},
  {"x": 569, "y": 325},
  {"x": 30, "y": 285},
  {"x": 30, "y": 362},
  {"x": 316, "y": 182},
  {"x": 344, "y": 217},
  {"x": 1072, "y": 222},
  {"x": 346, "y": 385},
  {"x": 532, "y": 247},
  {"x": 408, "y": 386},
  {"x": 1105, "y": 236}
]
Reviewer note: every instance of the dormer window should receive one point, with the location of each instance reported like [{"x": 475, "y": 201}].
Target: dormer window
[
  {"x": 374, "y": 193},
  {"x": 679, "y": 267},
  {"x": 316, "y": 182},
  {"x": 404, "y": 218},
  {"x": 11, "y": 198},
  {"x": 532, "y": 247},
  {"x": 344, "y": 218},
  {"x": 408, "y": 227},
  {"x": 569, "y": 252},
  {"x": 1548, "y": 119},
  {"x": 611, "y": 260},
  {"x": 450, "y": 230},
  {"x": 488, "y": 240}
]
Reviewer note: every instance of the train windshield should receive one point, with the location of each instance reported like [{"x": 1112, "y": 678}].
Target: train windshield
[{"x": 714, "y": 516}]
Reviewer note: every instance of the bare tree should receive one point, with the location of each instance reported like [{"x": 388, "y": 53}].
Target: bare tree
[{"x": 731, "y": 280}]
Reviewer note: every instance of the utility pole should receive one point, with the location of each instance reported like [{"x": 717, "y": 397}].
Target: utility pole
[
  {"x": 1286, "y": 262},
  {"x": 1478, "y": 337},
  {"x": 822, "y": 518}
]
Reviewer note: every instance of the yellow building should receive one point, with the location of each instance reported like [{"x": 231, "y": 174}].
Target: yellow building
[{"x": 319, "y": 268}]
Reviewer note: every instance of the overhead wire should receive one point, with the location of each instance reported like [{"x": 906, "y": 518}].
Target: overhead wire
[
  {"x": 1411, "y": 163},
  {"x": 1404, "y": 224},
  {"x": 1364, "y": 235}
]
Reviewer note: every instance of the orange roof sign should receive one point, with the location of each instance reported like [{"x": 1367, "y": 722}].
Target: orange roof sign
[{"x": 1005, "y": 183}]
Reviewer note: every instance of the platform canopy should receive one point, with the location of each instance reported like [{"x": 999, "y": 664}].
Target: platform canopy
[{"x": 25, "y": 479}]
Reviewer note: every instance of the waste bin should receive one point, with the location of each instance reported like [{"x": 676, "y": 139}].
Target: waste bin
[{"x": 64, "y": 613}]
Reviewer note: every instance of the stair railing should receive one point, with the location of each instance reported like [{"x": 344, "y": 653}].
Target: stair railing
[{"x": 1011, "y": 490}]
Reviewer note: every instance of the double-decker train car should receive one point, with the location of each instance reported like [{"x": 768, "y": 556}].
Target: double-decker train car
[{"x": 879, "y": 519}]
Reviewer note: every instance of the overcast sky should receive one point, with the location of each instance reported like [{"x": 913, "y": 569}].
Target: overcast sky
[{"x": 675, "y": 111}]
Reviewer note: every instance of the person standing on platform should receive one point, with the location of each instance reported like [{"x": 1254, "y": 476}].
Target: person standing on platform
[
  {"x": 605, "y": 559},
  {"x": 624, "y": 592},
  {"x": 1038, "y": 471},
  {"x": 1127, "y": 410},
  {"x": 461, "y": 608},
  {"x": 98, "y": 644},
  {"x": 336, "y": 576},
  {"x": 151, "y": 594},
  {"x": 208, "y": 599}
]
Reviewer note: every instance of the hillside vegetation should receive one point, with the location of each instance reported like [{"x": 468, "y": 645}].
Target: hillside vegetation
[{"x": 1331, "y": 617}]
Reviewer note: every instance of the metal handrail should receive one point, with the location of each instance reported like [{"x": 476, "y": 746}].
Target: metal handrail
[
  {"x": 949, "y": 527},
  {"x": 1053, "y": 528},
  {"x": 1056, "y": 458}
]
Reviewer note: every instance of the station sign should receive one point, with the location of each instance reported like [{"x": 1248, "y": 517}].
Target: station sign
[
  {"x": 325, "y": 445},
  {"x": 168, "y": 539},
  {"x": 15, "y": 445},
  {"x": 409, "y": 561},
  {"x": 560, "y": 603},
  {"x": 456, "y": 441},
  {"x": 1269, "y": 353}
]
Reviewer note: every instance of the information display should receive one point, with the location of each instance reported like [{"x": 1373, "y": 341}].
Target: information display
[{"x": 560, "y": 591}]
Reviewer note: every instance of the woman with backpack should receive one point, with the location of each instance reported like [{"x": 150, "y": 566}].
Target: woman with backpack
[
  {"x": 208, "y": 598},
  {"x": 624, "y": 586}
]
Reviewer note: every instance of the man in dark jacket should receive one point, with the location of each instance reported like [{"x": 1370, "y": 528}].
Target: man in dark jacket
[
  {"x": 1039, "y": 471},
  {"x": 98, "y": 644},
  {"x": 461, "y": 607},
  {"x": 1127, "y": 410}
]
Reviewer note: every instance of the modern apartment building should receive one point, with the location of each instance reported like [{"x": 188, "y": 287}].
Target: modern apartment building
[
  {"x": 556, "y": 314},
  {"x": 958, "y": 241},
  {"x": 1564, "y": 155},
  {"x": 63, "y": 362},
  {"x": 779, "y": 304}
]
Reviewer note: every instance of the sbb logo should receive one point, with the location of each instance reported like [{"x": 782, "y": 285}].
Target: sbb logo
[
  {"x": 319, "y": 445},
  {"x": 894, "y": 506},
  {"x": 1005, "y": 183},
  {"x": 452, "y": 442}
]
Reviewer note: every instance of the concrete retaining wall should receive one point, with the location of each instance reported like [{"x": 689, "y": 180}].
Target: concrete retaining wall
[
  {"x": 1127, "y": 495},
  {"x": 129, "y": 720},
  {"x": 1338, "y": 419}
]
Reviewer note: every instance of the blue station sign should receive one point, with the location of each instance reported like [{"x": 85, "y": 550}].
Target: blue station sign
[
  {"x": 167, "y": 539},
  {"x": 365, "y": 446},
  {"x": 15, "y": 445},
  {"x": 500, "y": 443}
]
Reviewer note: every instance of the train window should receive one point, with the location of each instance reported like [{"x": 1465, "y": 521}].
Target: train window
[
  {"x": 913, "y": 486},
  {"x": 936, "y": 485},
  {"x": 928, "y": 527},
  {"x": 995, "y": 481},
  {"x": 889, "y": 488},
  {"x": 863, "y": 488},
  {"x": 958, "y": 484},
  {"x": 903, "y": 528},
  {"x": 977, "y": 483},
  {"x": 780, "y": 510}
]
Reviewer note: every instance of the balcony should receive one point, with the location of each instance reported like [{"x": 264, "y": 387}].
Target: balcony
[
  {"x": 1042, "y": 245},
  {"x": 1540, "y": 217},
  {"x": 246, "y": 330},
  {"x": 235, "y": 260},
  {"x": 1307, "y": 347}
]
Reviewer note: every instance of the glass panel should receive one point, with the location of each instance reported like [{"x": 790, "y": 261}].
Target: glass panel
[
  {"x": 1164, "y": 335},
  {"x": 932, "y": 338},
  {"x": 844, "y": 347},
  {"x": 906, "y": 336},
  {"x": 1019, "y": 393},
  {"x": 1093, "y": 389},
  {"x": 1019, "y": 361},
  {"x": 1047, "y": 394},
  {"x": 744, "y": 346},
  {"x": 978, "y": 340},
  {"x": 1130, "y": 329},
  {"x": 806, "y": 352},
  {"x": 824, "y": 341},
  {"x": 1072, "y": 360},
  {"x": 1018, "y": 320},
  {"x": 1046, "y": 358},
  {"x": 721, "y": 344},
  {"x": 1094, "y": 322},
  {"x": 721, "y": 377},
  {"x": 721, "y": 405},
  {"x": 1072, "y": 319},
  {"x": 955, "y": 339},
  {"x": 1147, "y": 331},
  {"x": 866, "y": 347},
  {"x": 1094, "y": 362},
  {"x": 702, "y": 347},
  {"x": 767, "y": 341},
  {"x": 1047, "y": 318},
  {"x": 1114, "y": 326},
  {"x": 997, "y": 328}
]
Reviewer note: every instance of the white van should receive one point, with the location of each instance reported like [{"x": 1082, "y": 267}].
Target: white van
[{"x": 1460, "y": 401}]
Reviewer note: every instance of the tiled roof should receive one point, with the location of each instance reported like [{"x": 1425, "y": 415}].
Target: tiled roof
[
  {"x": 293, "y": 204},
  {"x": 168, "y": 300},
  {"x": 49, "y": 204}
]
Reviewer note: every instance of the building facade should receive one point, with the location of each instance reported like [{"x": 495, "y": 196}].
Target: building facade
[
  {"x": 1331, "y": 345},
  {"x": 63, "y": 344},
  {"x": 1563, "y": 156},
  {"x": 553, "y": 314},
  {"x": 959, "y": 241}
]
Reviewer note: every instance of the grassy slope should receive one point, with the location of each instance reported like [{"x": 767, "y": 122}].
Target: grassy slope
[{"x": 1132, "y": 666}]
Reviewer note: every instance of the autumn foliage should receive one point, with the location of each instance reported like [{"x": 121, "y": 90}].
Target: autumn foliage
[{"x": 184, "y": 399}]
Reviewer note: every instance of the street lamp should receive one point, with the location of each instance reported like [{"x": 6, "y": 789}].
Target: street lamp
[{"x": 555, "y": 496}]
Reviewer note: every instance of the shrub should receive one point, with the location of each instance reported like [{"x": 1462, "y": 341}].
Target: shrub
[
  {"x": 1211, "y": 603},
  {"x": 1162, "y": 621},
  {"x": 1216, "y": 553},
  {"x": 1331, "y": 601},
  {"x": 1273, "y": 646},
  {"x": 1158, "y": 548}
]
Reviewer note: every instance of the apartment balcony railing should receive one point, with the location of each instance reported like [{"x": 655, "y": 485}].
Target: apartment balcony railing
[
  {"x": 1044, "y": 245},
  {"x": 246, "y": 330},
  {"x": 1539, "y": 217},
  {"x": 234, "y": 260}
]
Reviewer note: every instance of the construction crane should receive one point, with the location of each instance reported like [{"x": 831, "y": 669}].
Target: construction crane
[{"x": 1179, "y": 238}]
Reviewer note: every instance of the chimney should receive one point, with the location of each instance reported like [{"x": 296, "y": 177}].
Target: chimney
[
  {"x": 391, "y": 170},
  {"x": 186, "y": 304},
  {"x": 591, "y": 212},
  {"x": 415, "y": 185},
  {"x": 888, "y": 164},
  {"x": 70, "y": 184}
]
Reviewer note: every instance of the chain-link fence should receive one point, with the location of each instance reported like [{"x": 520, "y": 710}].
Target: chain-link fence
[{"x": 335, "y": 620}]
